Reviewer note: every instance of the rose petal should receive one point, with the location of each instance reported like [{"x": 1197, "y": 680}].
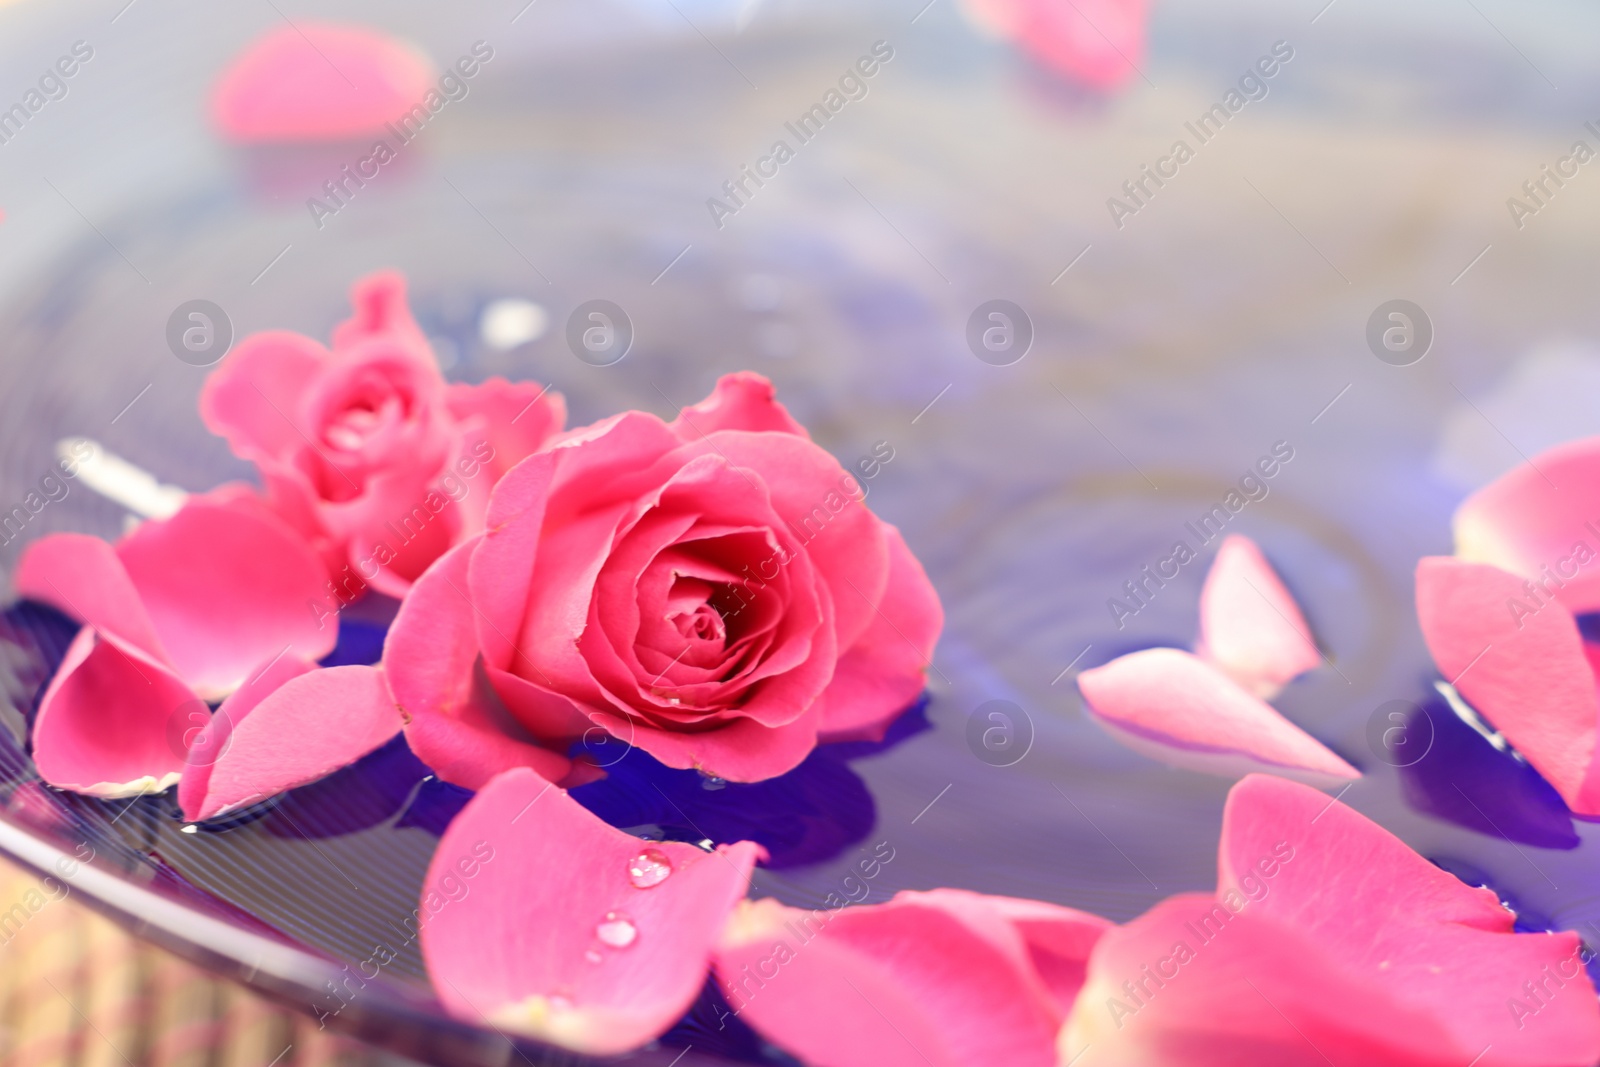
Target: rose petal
[
  {"x": 82, "y": 576},
  {"x": 741, "y": 401},
  {"x": 1522, "y": 523},
  {"x": 456, "y": 724},
  {"x": 1330, "y": 941},
  {"x": 253, "y": 398},
  {"x": 104, "y": 722},
  {"x": 227, "y": 589},
  {"x": 1250, "y": 626},
  {"x": 910, "y": 983},
  {"x": 1252, "y": 991},
  {"x": 1058, "y": 940},
  {"x": 1522, "y": 667},
  {"x": 380, "y": 312},
  {"x": 306, "y": 729},
  {"x": 1177, "y": 708},
  {"x": 215, "y": 733},
  {"x": 319, "y": 82},
  {"x": 845, "y": 541},
  {"x": 1097, "y": 42},
  {"x": 541, "y": 875},
  {"x": 886, "y": 669},
  {"x": 513, "y": 420},
  {"x": 743, "y": 750}
]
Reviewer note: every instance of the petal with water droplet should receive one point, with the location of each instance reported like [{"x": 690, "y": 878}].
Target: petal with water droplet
[{"x": 510, "y": 907}]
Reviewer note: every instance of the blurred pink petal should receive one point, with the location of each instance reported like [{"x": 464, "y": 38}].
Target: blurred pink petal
[
  {"x": 1330, "y": 941},
  {"x": 1179, "y": 709},
  {"x": 946, "y": 978},
  {"x": 104, "y": 722},
  {"x": 1522, "y": 667},
  {"x": 309, "y": 727},
  {"x": 315, "y": 81},
  {"x": 1250, "y": 626},
  {"x": 1522, "y": 523},
  {"x": 1097, "y": 42},
  {"x": 542, "y": 920}
]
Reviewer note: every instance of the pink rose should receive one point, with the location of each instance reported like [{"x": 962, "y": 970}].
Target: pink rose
[
  {"x": 712, "y": 590},
  {"x": 365, "y": 449}
]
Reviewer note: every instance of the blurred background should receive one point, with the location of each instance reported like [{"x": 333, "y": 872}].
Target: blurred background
[{"x": 1175, "y": 339}]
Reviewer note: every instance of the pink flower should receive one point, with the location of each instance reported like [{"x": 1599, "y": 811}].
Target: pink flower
[
  {"x": 180, "y": 611},
  {"x": 540, "y": 919},
  {"x": 1208, "y": 711},
  {"x": 365, "y": 449},
  {"x": 1097, "y": 42},
  {"x": 711, "y": 590},
  {"x": 1329, "y": 942}
]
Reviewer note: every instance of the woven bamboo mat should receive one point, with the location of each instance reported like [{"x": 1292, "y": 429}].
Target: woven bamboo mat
[{"x": 75, "y": 989}]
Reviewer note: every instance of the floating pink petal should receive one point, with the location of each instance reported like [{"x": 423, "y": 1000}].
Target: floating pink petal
[
  {"x": 1179, "y": 709},
  {"x": 105, "y": 722},
  {"x": 1538, "y": 522},
  {"x": 946, "y": 978},
  {"x": 1519, "y": 660},
  {"x": 1330, "y": 942},
  {"x": 309, "y": 727},
  {"x": 213, "y": 592},
  {"x": 214, "y": 736},
  {"x": 1250, "y": 625},
  {"x": 541, "y": 920},
  {"x": 1097, "y": 42},
  {"x": 316, "y": 81},
  {"x": 227, "y": 588}
]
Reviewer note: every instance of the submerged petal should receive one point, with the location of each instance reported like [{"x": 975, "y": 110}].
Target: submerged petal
[{"x": 1179, "y": 709}]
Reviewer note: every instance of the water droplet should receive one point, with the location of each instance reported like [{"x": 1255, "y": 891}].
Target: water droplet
[
  {"x": 711, "y": 781},
  {"x": 649, "y": 868},
  {"x": 191, "y": 829},
  {"x": 593, "y": 956},
  {"x": 617, "y": 931}
]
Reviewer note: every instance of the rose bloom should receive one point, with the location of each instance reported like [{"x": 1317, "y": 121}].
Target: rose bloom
[
  {"x": 365, "y": 449},
  {"x": 712, "y": 590}
]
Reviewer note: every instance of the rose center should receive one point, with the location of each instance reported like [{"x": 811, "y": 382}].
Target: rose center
[{"x": 703, "y": 623}]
